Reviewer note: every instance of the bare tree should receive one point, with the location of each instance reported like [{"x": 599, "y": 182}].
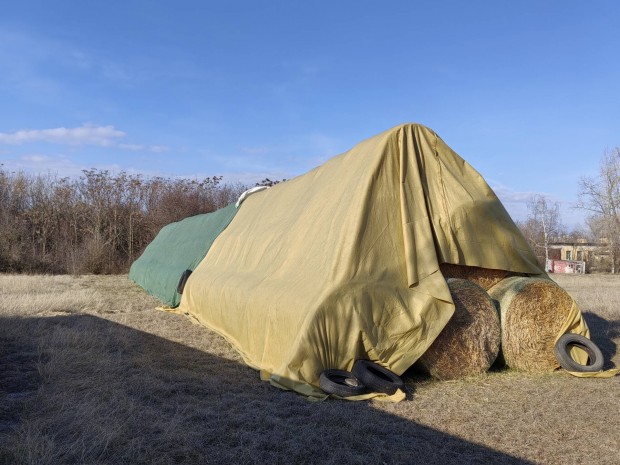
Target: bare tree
[
  {"x": 601, "y": 196},
  {"x": 96, "y": 223},
  {"x": 269, "y": 183},
  {"x": 543, "y": 223}
]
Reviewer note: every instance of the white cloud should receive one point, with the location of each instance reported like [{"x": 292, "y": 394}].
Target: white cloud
[
  {"x": 135, "y": 147},
  {"x": 35, "y": 159},
  {"x": 258, "y": 150},
  {"x": 141, "y": 147},
  {"x": 83, "y": 135},
  {"x": 157, "y": 148},
  {"x": 516, "y": 204},
  {"x": 508, "y": 195},
  {"x": 87, "y": 134},
  {"x": 54, "y": 164}
]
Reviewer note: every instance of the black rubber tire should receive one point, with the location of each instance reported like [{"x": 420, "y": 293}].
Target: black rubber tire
[
  {"x": 183, "y": 280},
  {"x": 377, "y": 378},
  {"x": 562, "y": 353},
  {"x": 341, "y": 383}
]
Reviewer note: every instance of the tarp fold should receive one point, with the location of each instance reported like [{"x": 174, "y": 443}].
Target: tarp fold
[{"x": 342, "y": 263}]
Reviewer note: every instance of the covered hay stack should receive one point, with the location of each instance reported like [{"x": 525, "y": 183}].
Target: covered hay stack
[
  {"x": 483, "y": 277},
  {"x": 533, "y": 311},
  {"x": 469, "y": 344}
]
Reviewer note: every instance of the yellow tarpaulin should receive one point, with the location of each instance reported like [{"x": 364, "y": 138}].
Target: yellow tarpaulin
[{"x": 342, "y": 263}]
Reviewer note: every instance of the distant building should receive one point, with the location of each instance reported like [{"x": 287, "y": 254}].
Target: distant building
[
  {"x": 577, "y": 256},
  {"x": 565, "y": 266}
]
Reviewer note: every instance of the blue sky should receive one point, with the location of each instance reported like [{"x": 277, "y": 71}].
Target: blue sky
[{"x": 527, "y": 92}]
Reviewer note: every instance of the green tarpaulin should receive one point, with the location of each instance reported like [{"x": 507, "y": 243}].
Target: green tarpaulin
[{"x": 178, "y": 247}]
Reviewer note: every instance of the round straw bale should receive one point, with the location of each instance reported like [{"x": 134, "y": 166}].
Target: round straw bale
[
  {"x": 469, "y": 343},
  {"x": 486, "y": 278},
  {"x": 532, "y": 312}
]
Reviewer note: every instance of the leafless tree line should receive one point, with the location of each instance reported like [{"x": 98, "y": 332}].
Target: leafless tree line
[
  {"x": 600, "y": 196},
  {"x": 543, "y": 225},
  {"x": 96, "y": 223},
  {"x": 100, "y": 222}
]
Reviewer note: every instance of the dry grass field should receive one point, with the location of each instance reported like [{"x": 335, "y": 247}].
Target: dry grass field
[{"x": 91, "y": 373}]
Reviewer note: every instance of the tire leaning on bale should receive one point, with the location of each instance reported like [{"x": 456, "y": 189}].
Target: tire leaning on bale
[
  {"x": 470, "y": 342},
  {"x": 532, "y": 313},
  {"x": 562, "y": 353}
]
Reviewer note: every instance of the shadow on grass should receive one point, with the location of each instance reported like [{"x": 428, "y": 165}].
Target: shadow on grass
[
  {"x": 108, "y": 393},
  {"x": 603, "y": 332}
]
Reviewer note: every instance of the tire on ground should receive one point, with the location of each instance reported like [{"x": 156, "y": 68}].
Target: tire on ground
[
  {"x": 341, "y": 383},
  {"x": 376, "y": 377}
]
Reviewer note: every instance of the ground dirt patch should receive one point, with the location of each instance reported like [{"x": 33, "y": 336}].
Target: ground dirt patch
[{"x": 92, "y": 373}]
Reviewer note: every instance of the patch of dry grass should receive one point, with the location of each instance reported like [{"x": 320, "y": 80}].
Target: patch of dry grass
[
  {"x": 48, "y": 295},
  {"x": 91, "y": 373}
]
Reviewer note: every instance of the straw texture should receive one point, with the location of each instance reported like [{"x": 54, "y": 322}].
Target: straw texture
[
  {"x": 483, "y": 277},
  {"x": 470, "y": 342},
  {"x": 532, "y": 313}
]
